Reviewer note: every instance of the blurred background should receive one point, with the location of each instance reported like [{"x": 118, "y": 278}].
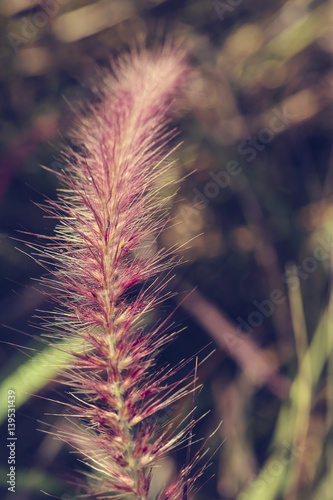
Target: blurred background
[{"x": 256, "y": 125}]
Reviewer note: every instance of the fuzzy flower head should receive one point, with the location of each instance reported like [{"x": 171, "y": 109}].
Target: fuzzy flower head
[{"x": 108, "y": 207}]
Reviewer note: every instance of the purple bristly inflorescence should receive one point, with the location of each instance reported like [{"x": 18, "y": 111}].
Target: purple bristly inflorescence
[{"x": 109, "y": 207}]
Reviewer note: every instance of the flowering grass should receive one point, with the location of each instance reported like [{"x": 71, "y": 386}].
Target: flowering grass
[{"x": 109, "y": 209}]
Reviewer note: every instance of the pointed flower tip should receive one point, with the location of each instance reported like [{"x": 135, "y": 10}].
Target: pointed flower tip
[{"x": 151, "y": 75}]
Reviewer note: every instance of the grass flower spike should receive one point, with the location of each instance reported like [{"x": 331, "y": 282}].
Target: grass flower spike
[{"x": 108, "y": 209}]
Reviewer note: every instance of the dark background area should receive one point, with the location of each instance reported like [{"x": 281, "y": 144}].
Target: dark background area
[{"x": 256, "y": 125}]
